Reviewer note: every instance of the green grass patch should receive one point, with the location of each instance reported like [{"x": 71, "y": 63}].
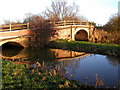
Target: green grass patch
[{"x": 89, "y": 47}]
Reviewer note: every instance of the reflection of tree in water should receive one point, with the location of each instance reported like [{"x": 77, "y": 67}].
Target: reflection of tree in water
[
  {"x": 42, "y": 55},
  {"x": 113, "y": 60},
  {"x": 71, "y": 64},
  {"x": 116, "y": 62}
]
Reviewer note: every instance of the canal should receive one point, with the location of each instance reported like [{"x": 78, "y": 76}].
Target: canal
[{"x": 80, "y": 66}]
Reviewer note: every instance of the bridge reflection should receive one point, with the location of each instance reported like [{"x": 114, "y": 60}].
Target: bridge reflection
[
  {"x": 66, "y": 54},
  {"x": 24, "y": 54}
]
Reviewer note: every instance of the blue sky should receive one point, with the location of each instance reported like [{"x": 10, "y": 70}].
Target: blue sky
[{"x": 98, "y": 11}]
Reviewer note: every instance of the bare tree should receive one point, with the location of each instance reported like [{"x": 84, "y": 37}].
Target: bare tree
[
  {"x": 35, "y": 21},
  {"x": 60, "y": 10},
  {"x": 113, "y": 27},
  {"x": 113, "y": 24},
  {"x": 40, "y": 30}
]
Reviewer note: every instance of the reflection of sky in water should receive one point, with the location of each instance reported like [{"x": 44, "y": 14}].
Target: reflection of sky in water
[
  {"x": 80, "y": 67},
  {"x": 90, "y": 66}
]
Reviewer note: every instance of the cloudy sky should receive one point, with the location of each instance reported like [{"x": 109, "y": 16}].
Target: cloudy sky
[{"x": 98, "y": 11}]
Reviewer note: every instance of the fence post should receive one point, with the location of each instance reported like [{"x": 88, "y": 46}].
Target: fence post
[
  {"x": 54, "y": 23},
  {"x": 89, "y": 23},
  {"x": 80, "y": 22},
  {"x": 27, "y": 25},
  {"x": 73, "y": 22},
  {"x": 64, "y": 23},
  {"x": 10, "y": 27}
]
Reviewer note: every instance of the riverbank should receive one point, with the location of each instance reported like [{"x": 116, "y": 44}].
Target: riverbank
[
  {"x": 89, "y": 47},
  {"x": 21, "y": 76}
]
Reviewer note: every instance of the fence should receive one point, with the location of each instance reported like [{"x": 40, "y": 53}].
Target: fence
[
  {"x": 64, "y": 23},
  {"x": 12, "y": 27}
]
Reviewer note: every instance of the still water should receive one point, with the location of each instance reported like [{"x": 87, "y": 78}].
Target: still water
[{"x": 79, "y": 66}]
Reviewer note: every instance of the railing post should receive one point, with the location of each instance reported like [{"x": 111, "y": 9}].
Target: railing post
[
  {"x": 80, "y": 22},
  {"x": 73, "y": 22},
  {"x": 10, "y": 27},
  {"x": 28, "y": 26},
  {"x": 89, "y": 23},
  {"x": 64, "y": 23},
  {"x": 54, "y": 23}
]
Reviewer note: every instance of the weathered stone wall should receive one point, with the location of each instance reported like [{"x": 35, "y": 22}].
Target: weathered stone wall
[
  {"x": 69, "y": 32},
  {"x": 62, "y": 32},
  {"x": 15, "y": 33}
]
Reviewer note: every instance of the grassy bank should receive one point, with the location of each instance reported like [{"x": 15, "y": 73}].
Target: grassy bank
[
  {"x": 89, "y": 47},
  {"x": 25, "y": 76}
]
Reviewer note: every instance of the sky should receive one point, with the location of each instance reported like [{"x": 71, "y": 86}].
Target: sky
[{"x": 98, "y": 11}]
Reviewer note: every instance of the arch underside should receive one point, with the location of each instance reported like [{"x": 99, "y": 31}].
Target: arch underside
[
  {"x": 81, "y": 35},
  {"x": 11, "y": 43}
]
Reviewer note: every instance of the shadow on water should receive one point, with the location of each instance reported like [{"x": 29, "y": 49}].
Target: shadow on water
[
  {"x": 113, "y": 60},
  {"x": 83, "y": 67}
]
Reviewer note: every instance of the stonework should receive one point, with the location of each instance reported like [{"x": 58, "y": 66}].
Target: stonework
[
  {"x": 69, "y": 32},
  {"x": 19, "y": 41}
]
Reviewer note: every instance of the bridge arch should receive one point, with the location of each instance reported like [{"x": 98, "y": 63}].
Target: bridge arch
[
  {"x": 11, "y": 43},
  {"x": 19, "y": 41},
  {"x": 82, "y": 35}
]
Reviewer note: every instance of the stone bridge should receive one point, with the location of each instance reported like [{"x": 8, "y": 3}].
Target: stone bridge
[
  {"x": 18, "y": 34},
  {"x": 73, "y": 32},
  {"x": 19, "y": 37}
]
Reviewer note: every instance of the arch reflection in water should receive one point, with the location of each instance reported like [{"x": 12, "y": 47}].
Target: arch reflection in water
[
  {"x": 39, "y": 55},
  {"x": 14, "y": 53}
]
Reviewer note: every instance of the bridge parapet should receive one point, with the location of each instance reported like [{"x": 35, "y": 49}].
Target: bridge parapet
[
  {"x": 63, "y": 30},
  {"x": 13, "y": 27},
  {"x": 71, "y": 22}
]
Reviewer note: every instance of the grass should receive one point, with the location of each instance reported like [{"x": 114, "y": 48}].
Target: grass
[
  {"x": 24, "y": 76},
  {"x": 89, "y": 47}
]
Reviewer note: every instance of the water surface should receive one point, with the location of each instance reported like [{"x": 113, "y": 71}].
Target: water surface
[{"x": 78, "y": 66}]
